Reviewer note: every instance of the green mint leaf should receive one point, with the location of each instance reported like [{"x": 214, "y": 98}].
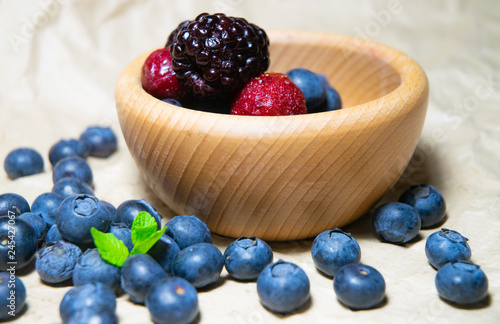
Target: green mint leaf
[
  {"x": 144, "y": 226},
  {"x": 144, "y": 245},
  {"x": 110, "y": 248}
]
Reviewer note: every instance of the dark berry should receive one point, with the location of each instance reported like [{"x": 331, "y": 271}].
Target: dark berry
[
  {"x": 23, "y": 162},
  {"x": 428, "y": 202},
  {"x": 73, "y": 166},
  {"x": 56, "y": 261},
  {"x": 173, "y": 34},
  {"x": 18, "y": 243},
  {"x": 13, "y": 204},
  {"x": 311, "y": 85},
  {"x": 101, "y": 141},
  {"x": 65, "y": 148}
]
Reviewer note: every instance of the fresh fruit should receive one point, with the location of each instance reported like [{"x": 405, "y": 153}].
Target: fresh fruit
[
  {"x": 139, "y": 272},
  {"x": 333, "y": 249},
  {"x": 56, "y": 261},
  {"x": 77, "y": 215},
  {"x": 70, "y": 186},
  {"x": 164, "y": 252},
  {"x": 311, "y": 85},
  {"x": 38, "y": 223},
  {"x": 12, "y": 295},
  {"x": 13, "y": 204},
  {"x": 428, "y": 202},
  {"x": 173, "y": 34},
  {"x": 445, "y": 246},
  {"x": 23, "y": 162},
  {"x": 461, "y": 282},
  {"x": 111, "y": 209},
  {"x": 94, "y": 296},
  {"x": 53, "y": 235},
  {"x": 216, "y": 55},
  {"x": 75, "y": 167},
  {"x": 101, "y": 141},
  {"x": 46, "y": 205},
  {"x": 396, "y": 222},
  {"x": 158, "y": 79},
  {"x": 129, "y": 209},
  {"x": 200, "y": 264},
  {"x": 172, "y": 102},
  {"x": 92, "y": 268},
  {"x": 122, "y": 232},
  {"x": 89, "y": 315},
  {"x": 172, "y": 300},
  {"x": 269, "y": 94},
  {"x": 332, "y": 100},
  {"x": 246, "y": 257},
  {"x": 65, "y": 148},
  {"x": 18, "y": 243},
  {"x": 187, "y": 230},
  {"x": 283, "y": 287},
  {"x": 359, "y": 286}
]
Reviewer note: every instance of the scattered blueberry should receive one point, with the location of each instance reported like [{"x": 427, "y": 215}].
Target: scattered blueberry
[
  {"x": 188, "y": 230},
  {"x": 246, "y": 257},
  {"x": 396, "y": 222},
  {"x": 139, "y": 272},
  {"x": 283, "y": 287},
  {"x": 164, "y": 252},
  {"x": 172, "y": 300},
  {"x": 122, "y": 232},
  {"x": 445, "y": 246},
  {"x": 101, "y": 141},
  {"x": 92, "y": 268},
  {"x": 90, "y": 315},
  {"x": 77, "y": 215},
  {"x": 311, "y": 86},
  {"x": 56, "y": 261},
  {"x": 71, "y": 186},
  {"x": 12, "y": 295},
  {"x": 359, "y": 286},
  {"x": 18, "y": 242},
  {"x": 73, "y": 166},
  {"x": 13, "y": 203},
  {"x": 200, "y": 264},
  {"x": 53, "y": 235},
  {"x": 38, "y": 223},
  {"x": 46, "y": 205},
  {"x": 128, "y": 210},
  {"x": 111, "y": 209},
  {"x": 428, "y": 202},
  {"x": 65, "y": 148},
  {"x": 23, "y": 162},
  {"x": 172, "y": 102},
  {"x": 333, "y": 249},
  {"x": 461, "y": 282},
  {"x": 92, "y": 295}
]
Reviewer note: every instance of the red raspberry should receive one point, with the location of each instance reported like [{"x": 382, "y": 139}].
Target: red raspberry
[
  {"x": 270, "y": 94},
  {"x": 158, "y": 78}
]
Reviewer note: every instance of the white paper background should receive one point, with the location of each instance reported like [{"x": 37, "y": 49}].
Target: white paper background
[{"x": 59, "y": 60}]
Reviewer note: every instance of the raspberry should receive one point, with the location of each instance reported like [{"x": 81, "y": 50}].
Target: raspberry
[
  {"x": 270, "y": 94},
  {"x": 158, "y": 79},
  {"x": 216, "y": 55}
]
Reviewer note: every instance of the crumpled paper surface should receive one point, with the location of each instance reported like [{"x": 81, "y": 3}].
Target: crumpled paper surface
[{"x": 59, "y": 60}]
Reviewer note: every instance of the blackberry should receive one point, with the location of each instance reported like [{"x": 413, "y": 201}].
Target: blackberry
[
  {"x": 174, "y": 33},
  {"x": 216, "y": 55}
]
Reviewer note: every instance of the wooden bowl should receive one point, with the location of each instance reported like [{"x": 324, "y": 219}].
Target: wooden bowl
[{"x": 283, "y": 177}]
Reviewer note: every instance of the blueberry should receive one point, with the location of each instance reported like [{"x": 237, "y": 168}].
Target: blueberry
[
  {"x": 246, "y": 257},
  {"x": 38, "y": 223},
  {"x": 428, "y": 202},
  {"x": 92, "y": 295},
  {"x": 359, "y": 286},
  {"x": 56, "y": 261},
  {"x": 17, "y": 242},
  {"x": 73, "y": 166},
  {"x": 283, "y": 287},
  {"x": 139, "y": 272},
  {"x": 77, "y": 215},
  {"x": 461, "y": 282},
  {"x": 90, "y": 315},
  {"x": 111, "y": 209},
  {"x": 333, "y": 249},
  {"x": 23, "y": 162},
  {"x": 164, "y": 252},
  {"x": 172, "y": 102},
  {"x": 122, "y": 232},
  {"x": 46, "y": 205},
  {"x": 396, "y": 222},
  {"x": 101, "y": 141},
  {"x": 53, "y": 235},
  {"x": 13, "y": 203},
  {"x": 92, "y": 268},
  {"x": 188, "y": 230},
  {"x": 332, "y": 100},
  {"x": 65, "y": 148},
  {"x": 12, "y": 295},
  {"x": 311, "y": 86},
  {"x": 201, "y": 264},
  {"x": 172, "y": 300},
  {"x": 71, "y": 186},
  {"x": 128, "y": 210},
  {"x": 445, "y": 246}
]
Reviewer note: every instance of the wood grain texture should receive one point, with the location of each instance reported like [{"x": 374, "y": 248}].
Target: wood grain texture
[{"x": 286, "y": 177}]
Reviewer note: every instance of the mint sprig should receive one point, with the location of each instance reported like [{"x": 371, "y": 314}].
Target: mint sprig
[{"x": 144, "y": 236}]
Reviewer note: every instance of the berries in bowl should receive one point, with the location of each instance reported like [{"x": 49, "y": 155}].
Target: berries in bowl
[{"x": 283, "y": 177}]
